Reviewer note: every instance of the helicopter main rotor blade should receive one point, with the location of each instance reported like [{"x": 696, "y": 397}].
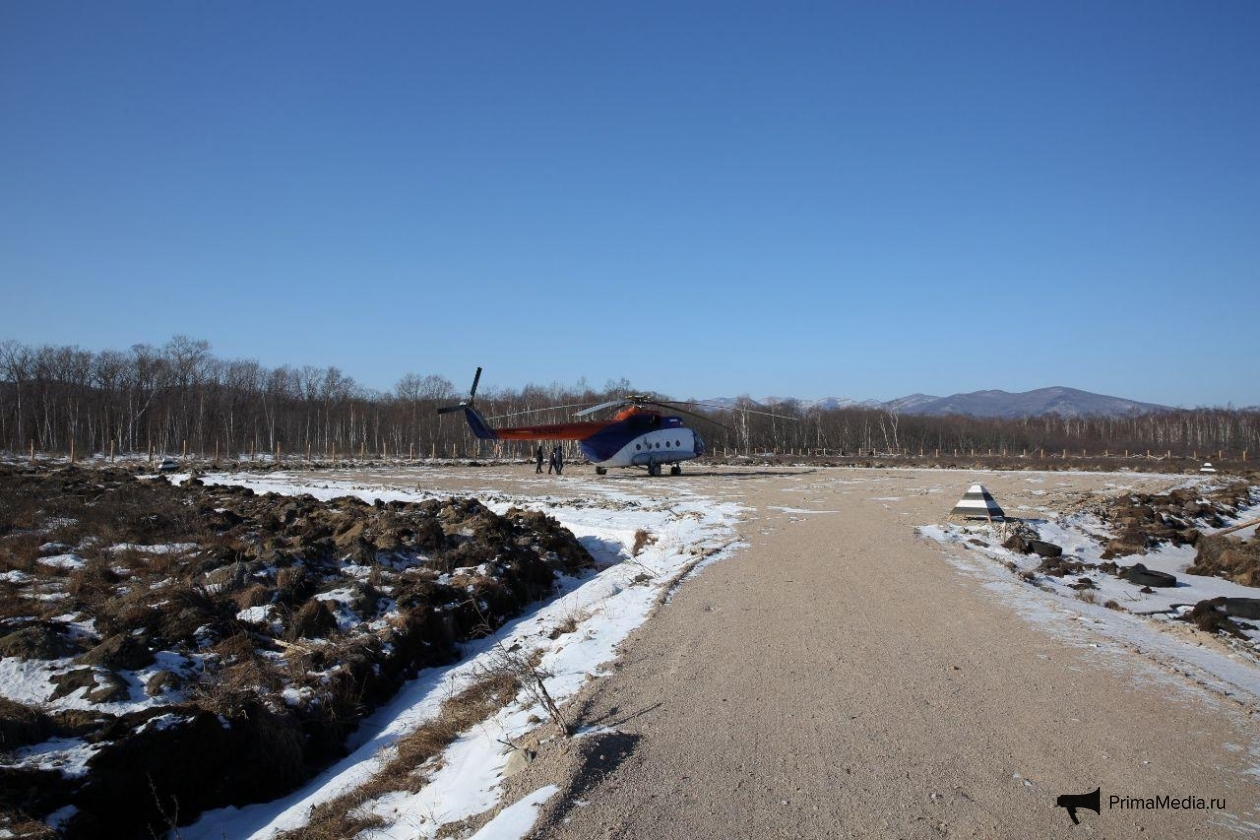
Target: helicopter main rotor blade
[
  {"x": 677, "y": 407},
  {"x": 537, "y": 410},
  {"x": 602, "y": 406},
  {"x": 762, "y": 413}
]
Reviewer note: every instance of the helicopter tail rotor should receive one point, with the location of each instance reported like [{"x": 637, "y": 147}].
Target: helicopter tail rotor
[
  {"x": 472, "y": 395},
  {"x": 476, "y": 422}
]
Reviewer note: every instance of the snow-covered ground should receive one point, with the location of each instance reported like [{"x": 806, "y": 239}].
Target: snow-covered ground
[
  {"x": 687, "y": 530},
  {"x": 686, "y": 533},
  {"x": 1114, "y": 614}
]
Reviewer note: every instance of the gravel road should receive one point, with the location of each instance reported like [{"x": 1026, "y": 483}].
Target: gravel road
[{"x": 839, "y": 678}]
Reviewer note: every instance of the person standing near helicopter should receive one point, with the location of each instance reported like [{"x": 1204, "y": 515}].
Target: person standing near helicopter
[{"x": 538, "y": 459}]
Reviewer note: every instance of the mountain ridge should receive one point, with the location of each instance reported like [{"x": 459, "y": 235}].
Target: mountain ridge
[{"x": 1056, "y": 399}]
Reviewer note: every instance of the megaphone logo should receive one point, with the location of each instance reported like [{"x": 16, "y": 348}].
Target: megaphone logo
[{"x": 1072, "y": 801}]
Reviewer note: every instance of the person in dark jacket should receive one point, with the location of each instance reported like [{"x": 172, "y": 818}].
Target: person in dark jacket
[
  {"x": 559, "y": 460},
  {"x": 551, "y": 460},
  {"x": 538, "y": 459}
]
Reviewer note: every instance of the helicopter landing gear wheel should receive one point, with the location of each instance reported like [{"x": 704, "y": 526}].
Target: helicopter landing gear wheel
[
  {"x": 601, "y": 470},
  {"x": 654, "y": 469},
  {"x": 676, "y": 469}
]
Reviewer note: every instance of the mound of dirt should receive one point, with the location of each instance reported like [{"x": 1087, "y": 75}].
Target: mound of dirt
[
  {"x": 225, "y": 643},
  {"x": 1227, "y": 557},
  {"x": 1143, "y": 521},
  {"x": 1140, "y": 522},
  {"x": 1216, "y": 615},
  {"x": 40, "y": 641}
]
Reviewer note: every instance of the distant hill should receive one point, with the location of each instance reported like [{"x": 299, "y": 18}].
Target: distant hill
[
  {"x": 825, "y": 404},
  {"x": 1066, "y": 402},
  {"x": 912, "y": 404}
]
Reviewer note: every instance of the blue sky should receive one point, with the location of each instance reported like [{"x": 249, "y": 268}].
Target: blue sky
[{"x": 707, "y": 199}]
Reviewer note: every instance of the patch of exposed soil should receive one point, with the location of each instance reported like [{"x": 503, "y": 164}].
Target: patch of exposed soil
[
  {"x": 207, "y": 646},
  {"x": 1229, "y": 557},
  {"x": 1141, "y": 522}
]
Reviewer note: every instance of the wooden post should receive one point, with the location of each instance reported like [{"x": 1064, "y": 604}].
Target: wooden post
[
  {"x": 33, "y": 451},
  {"x": 150, "y": 450},
  {"x": 185, "y": 448},
  {"x": 72, "y": 450},
  {"x": 363, "y": 450},
  {"x": 216, "y": 452},
  {"x": 411, "y": 452},
  {"x": 277, "y": 452},
  {"x": 308, "y": 450},
  {"x": 111, "y": 452}
]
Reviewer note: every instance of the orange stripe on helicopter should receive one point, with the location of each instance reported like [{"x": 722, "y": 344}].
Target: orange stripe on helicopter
[{"x": 563, "y": 431}]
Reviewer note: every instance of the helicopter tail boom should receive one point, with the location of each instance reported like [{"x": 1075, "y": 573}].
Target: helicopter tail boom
[{"x": 483, "y": 430}]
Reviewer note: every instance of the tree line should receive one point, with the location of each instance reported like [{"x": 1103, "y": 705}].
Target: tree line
[{"x": 179, "y": 397}]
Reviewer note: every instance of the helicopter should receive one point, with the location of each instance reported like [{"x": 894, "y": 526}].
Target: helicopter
[{"x": 641, "y": 434}]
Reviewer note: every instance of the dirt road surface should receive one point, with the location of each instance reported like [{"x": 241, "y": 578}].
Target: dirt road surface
[{"x": 839, "y": 677}]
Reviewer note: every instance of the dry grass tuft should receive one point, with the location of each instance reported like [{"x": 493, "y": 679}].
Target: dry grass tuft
[
  {"x": 460, "y": 712},
  {"x": 19, "y": 551},
  {"x": 642, "y": 539},
  {"x": 28, "y": 829},
  {"x": 343, "y": 817}
]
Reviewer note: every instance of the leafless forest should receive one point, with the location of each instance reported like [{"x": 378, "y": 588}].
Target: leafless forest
[{"x": 180, "y": 398}]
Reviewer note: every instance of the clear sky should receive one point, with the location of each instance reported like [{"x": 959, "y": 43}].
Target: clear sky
[{"x": 708, "y": 199}]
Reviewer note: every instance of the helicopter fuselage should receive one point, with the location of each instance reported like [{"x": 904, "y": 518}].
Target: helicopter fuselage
[
  {"x": 635, "y": 437},
  {"x": 643, "y": 439}
]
